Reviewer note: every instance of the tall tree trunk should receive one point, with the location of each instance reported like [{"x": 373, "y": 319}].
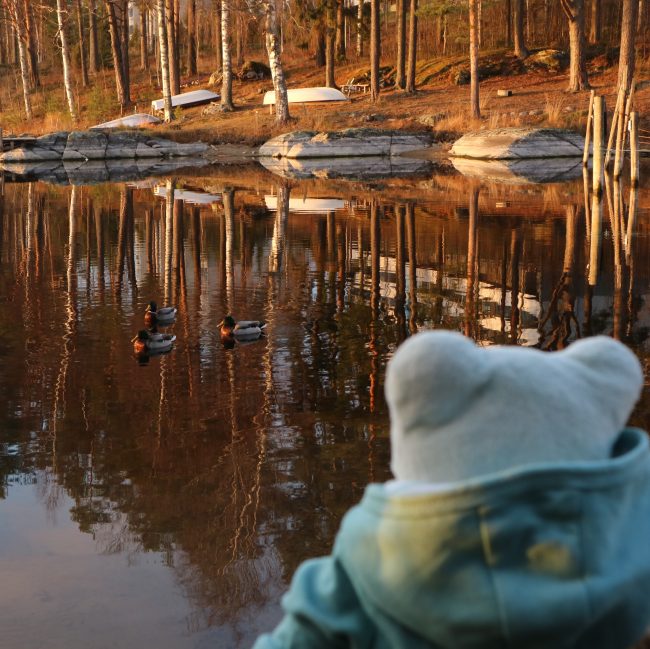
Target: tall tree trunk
[
  {"x": 191, "y": 38},
  {"x": 375, "y": 49},
  {"x": 172, "y": 48},
  {"x": 241, "y": 41},
  {"x": 218, "y": 45},
  {"x": 16, "y": 10},
  {"x": 65, "y": 57},
  {"x": 320, "y": 56},
  {"x": 144, "y": 29},
  {"x": 521, "y": 51},
  {"x": 508, "y": 22},
  {"x": 272, "y": 37},
  {"x": 92, "y": 37},
  {"x": 627, "y": 58},
  {"x": 330, "y": 45},
  {"x": 595, "y": 26},
  {"x": 473, "y": 59},
  {"x": 163, "y": 45},
  {"x": 124, "y": 33},
  {"x": 413, "y": 46},
  {"x": 226, "y": 68},
  {"x": 116, "y": 51},
  {"x": 575, "y": 12},
  {"x": 82, "y": 45},
  {"x": 340, "y": 31},
  {"x": 32, "y": 49},
  {"x": 400, "y": 71},
  {"x": 360, "y": 28}
]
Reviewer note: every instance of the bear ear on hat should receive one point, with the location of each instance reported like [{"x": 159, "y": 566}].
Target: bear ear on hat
[
  {"x": 604, "y": 354},
  {"x": 431, "y": 377},
  {"x": 615, "y": 370}
]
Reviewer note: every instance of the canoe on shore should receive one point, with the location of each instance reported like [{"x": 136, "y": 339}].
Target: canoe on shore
[
  {"x": 187, "y": 100},
  {"x": 307, "y": 96}
]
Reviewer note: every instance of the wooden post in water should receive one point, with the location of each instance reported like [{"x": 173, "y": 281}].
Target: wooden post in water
[
  {"x": 618, "y": 110},
  {"x": 598, "y": 163},
  {"x": 590, "y": 119},
  {"x": 634, "y": 149},
  {"x": 596, "y": 234}
]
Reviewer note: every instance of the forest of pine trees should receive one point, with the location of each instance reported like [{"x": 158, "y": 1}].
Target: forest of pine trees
[{"x": 172, "y": 40}]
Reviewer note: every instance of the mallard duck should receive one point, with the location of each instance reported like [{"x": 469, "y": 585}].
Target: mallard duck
[
  {"x": 242, "y": 330},
  {"x": 159, "y": 315},
  {"x": 152, "y": 343}
]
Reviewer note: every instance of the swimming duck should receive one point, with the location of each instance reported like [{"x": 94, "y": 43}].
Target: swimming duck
[
  {"x": 152, "y": 343},
  {"x": 159, "y": 315},
  {"x": 242, "y": 330}
]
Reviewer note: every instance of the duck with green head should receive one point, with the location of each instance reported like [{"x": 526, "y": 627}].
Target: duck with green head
[
  {"x": 147, "y": 342},
  {"x": 230, "y": 329},
  {"x": 163, "y": 315}
]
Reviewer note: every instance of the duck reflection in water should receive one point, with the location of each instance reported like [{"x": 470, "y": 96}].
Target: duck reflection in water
[{"x": 519, "y": 513}]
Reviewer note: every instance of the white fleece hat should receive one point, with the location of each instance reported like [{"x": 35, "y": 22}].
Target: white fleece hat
[{"x": 459, "y": 411}]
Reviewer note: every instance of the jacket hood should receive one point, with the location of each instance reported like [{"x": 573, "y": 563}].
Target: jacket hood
[{"x": 550, "y": 555}]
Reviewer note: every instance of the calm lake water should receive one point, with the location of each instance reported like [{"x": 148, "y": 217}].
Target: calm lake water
[{"x": 166, "y": 502}]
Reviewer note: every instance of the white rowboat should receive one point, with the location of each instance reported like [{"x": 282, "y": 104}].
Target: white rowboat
[
  {"x": 307, "y": 95},
  {"x": 187, "y": 99},
  {"x": 130, "y": 121}
]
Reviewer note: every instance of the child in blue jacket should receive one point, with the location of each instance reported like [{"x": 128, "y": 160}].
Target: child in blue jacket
[{"x": 519, "y": 515}]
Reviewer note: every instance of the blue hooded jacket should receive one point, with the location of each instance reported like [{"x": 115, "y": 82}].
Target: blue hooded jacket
[{"x": 543, "y": 556}]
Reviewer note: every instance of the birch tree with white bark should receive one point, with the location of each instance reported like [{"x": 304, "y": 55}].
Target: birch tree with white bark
[
  {"x": 164, "y": 60},
  {"x": 61, "y": 17}
]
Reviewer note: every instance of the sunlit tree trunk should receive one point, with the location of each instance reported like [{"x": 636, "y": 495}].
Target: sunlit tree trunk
[
  {"x": 340, "y": 31},
  {"x": 191, "y": 38},
  {"x": 61, "y": 9},
  {"x": 116, "y": 51},
  {"x": 595, "y": 26},
  {"x": 172, "y": 48},
  {"x": 17, "y": 18},
  {"x": 626, "y": 60},
  {"x": 273, "y": 48},
  {"x": 82, "y": 45},
  {"x": 164, "y": 60},
  {"x": 413, "y": 46},
  {"x": 226, "y": 57},
  {"x": 330, "y": 46},
  {"x": 400, "y": 65},
  {"x": 32, "y": 48},
  {"x": 144, "y": 29},
  {"x": 124, "y": 33},
  {"x": 360, "y": 28},
  {"x": 92, "y": 37},
  {"x": 375, "y": 49},
  {"x": 575, "y": 12},
  {"x": 473, "y": 59},
  {"x": 218, "y": 45},
  {"x": 521, "y": 51}
]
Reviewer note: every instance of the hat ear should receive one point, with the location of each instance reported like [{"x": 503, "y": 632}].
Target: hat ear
[
  {"x": 432, "y": 377},
  {"x": 615, "y": 372}
]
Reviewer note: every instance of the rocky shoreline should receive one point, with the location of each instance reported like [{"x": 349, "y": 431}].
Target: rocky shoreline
[{"x": 81, "y": 146}]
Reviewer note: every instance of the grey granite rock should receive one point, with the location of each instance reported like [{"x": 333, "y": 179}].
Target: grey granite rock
[
  {"x": 348, "y": 143},
  {"x": 513, "y": 143}
]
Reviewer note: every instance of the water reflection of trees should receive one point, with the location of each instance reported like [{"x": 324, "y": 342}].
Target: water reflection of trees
[{"x": 236, "y": 464}]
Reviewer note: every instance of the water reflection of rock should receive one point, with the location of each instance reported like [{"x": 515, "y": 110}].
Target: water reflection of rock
[
  {"x": 350, "y": 168},
  {"x": 528, "y": 171},
  {"x": 97, "y": 171}
]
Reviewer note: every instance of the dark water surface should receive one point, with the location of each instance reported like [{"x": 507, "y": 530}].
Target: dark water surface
[{"x": 166, "y": 502}]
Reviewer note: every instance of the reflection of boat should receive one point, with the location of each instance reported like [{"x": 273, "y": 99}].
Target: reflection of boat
[
  {"x": 523, "y": 171},
  {"x": 187, "y": 99},
  {"x": 198, "y": 198},
  {"x": 311, "y": 205},
  {"x": 307, "y": 95},
  {"x": 351, "y": 168},
  {"x": 130, "y": 121}
]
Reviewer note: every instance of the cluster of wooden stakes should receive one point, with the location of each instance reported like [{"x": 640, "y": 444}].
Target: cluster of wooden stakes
[{"x": 624, "y": 136}]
